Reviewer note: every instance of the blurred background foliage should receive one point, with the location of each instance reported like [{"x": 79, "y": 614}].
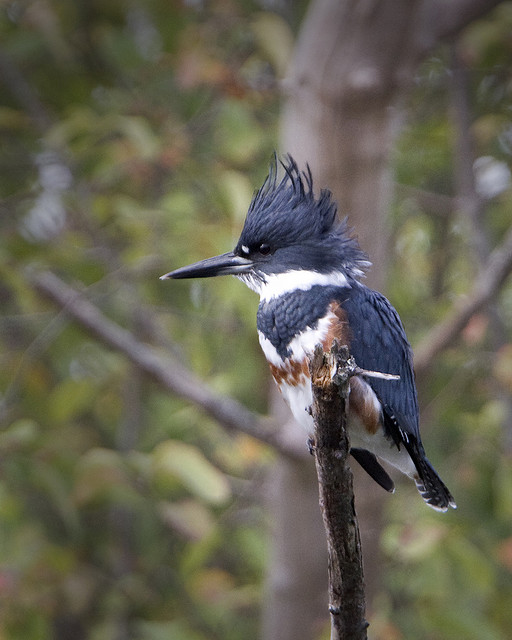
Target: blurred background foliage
[{"x": 133, "y": 134}]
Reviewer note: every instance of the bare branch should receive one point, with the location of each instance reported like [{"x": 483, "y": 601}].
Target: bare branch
[
  {"x": 331, "y": 448},
  {"x": 167, "y": 371},
  {"x": 487, "y": 286}
]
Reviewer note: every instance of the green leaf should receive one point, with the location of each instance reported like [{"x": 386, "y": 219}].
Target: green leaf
[
  {"x": 502, "y": 483},
  {"x": 70, "y": 398},
  {"x": 275, "y": 38},
  {"x": 190, "y": 518},
  {"x": 177, "y": 630},
  {"x": 99, "y": 474},
  {"x": 139, "y": 133},
  {"x": 176, "y": 460},
  {"x": 238, "y": 135},
  {"x": 237, "y": 192},
  {"x": 18, "y": 435}
]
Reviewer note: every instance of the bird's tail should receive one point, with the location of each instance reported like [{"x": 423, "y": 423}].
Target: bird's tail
[{"x": 432, "y": 489}]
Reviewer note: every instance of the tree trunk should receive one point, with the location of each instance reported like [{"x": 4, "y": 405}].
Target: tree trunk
[{"x": 296, "y": 585}]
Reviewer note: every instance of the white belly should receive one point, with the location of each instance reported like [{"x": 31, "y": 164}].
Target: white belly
[{"x": 299, "y": 398}]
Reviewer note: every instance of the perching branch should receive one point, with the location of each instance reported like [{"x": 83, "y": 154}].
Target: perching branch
[
  {"x": 167, "y": 371},
  {"x": 487, "y": 285},
  {"x": 330, "y": 375}
]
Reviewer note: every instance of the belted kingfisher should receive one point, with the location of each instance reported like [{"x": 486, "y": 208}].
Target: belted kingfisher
[{"x": 306, "y": 266}]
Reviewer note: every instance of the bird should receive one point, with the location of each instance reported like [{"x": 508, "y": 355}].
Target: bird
[{"x": 307, "y": 267}]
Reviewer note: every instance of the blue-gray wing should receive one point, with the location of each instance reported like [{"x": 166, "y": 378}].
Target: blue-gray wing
[{"x": 378, "y": 343}]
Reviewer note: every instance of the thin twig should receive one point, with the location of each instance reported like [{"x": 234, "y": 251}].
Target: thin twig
[{"x": 375, "y": 374}]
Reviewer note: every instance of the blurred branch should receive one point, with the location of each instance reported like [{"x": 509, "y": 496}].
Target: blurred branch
[
  {"x": 455, "y": 15},
  {"x": 487, "y": 286},
  {"x": 23, "y": 93},
  {"x": 439, "y": 20},
  {"x": 332, "y": 447},
  {"x": 469, "y": 203},
  {"x": 167, "y": 371}
]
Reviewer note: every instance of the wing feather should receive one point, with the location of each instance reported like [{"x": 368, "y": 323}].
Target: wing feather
[{"x": 379, "y": 343}]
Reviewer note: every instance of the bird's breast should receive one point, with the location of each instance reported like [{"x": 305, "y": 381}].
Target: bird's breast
[
  {"x": 289, "y": 365},
  {"x": 288, "y": 356}
]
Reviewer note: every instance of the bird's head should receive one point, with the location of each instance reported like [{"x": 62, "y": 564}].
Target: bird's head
[{"x": 291, "y": 239}]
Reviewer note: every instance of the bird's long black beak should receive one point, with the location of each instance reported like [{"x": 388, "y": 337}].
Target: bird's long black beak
[{"x": 226, "y": 264}]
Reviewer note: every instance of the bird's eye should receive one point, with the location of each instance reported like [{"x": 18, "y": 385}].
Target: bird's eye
[{"x": 264, "y": 249}]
